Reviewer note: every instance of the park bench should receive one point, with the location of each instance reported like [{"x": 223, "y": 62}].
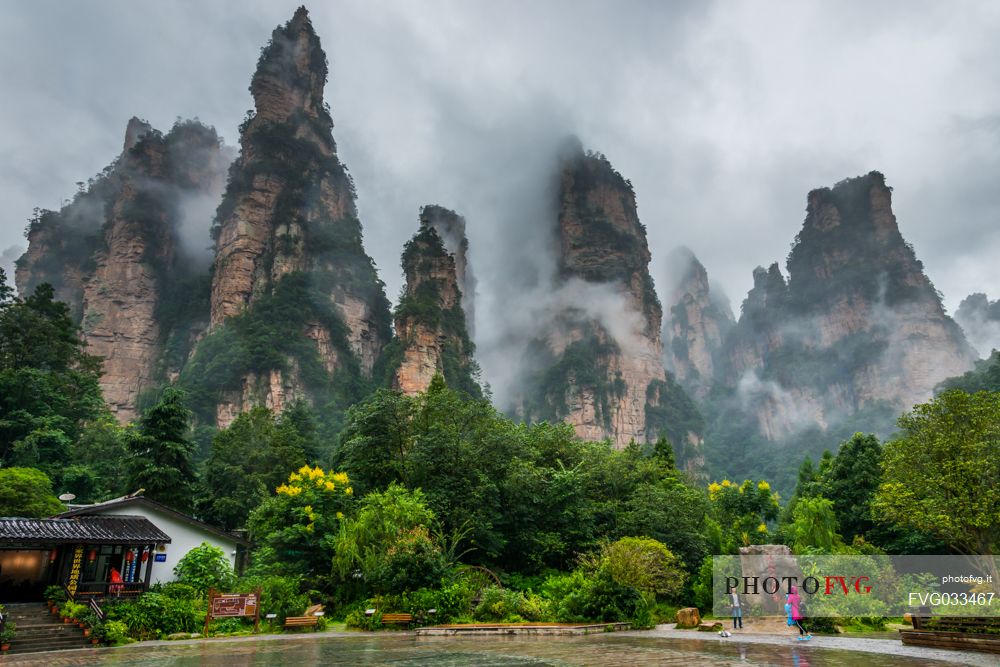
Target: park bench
[
  {"x": 404, "y": 619},
  {"x": 301, "y": 621},
  {"x": 308, "y": 620}
]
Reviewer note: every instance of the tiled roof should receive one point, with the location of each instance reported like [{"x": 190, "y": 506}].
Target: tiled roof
[
  {"x": 88, "y": 529},
  {"x": 140, "y": 502}
]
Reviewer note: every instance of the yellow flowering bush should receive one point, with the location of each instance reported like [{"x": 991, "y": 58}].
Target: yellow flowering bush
[
  {"x": 298, "y": 523},
  {"x": 743, "y": 510}
]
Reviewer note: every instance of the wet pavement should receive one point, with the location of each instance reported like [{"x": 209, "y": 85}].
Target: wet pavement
[{"x": 406, "y": 650}]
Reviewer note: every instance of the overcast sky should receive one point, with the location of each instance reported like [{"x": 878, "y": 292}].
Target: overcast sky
[{"x": 723, "y": 115}]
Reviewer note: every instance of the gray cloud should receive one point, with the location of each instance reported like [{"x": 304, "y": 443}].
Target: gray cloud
[{"x": 723, "y": 115}]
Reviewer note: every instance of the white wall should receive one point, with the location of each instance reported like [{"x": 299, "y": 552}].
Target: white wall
[{"x": 183, "y": 538}]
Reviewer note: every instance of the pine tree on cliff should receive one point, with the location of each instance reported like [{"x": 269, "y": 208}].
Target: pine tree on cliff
[
  {"x": 431, "y": 333},
  {"x": 298, "y": 310}
]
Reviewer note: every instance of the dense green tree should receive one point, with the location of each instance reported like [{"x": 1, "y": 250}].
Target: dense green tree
[
  {"x": 377, "y": 439},
  {"x": 161, "y": 453},
  {"x": 99, "y": 456},
  {"x": 942, "y": 475},
  {"x": 48, "y": 384},
  {"x": 27, "y": 492},
  {"x": 390, "y": 543},
  {"x": 249, "y": 460},
  {"x": 850, "y": 483},
  {"x": 814, "y": 526}
]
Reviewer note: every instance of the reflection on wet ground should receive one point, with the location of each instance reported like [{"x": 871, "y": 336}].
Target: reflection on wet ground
[{"x": 407, "y": 651}]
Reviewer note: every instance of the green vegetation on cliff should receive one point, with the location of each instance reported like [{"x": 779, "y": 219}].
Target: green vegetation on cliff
[
  {"x": 430, "y": 271},
  {"x": 271, "y": 335},
  {"x": 582, "y": 367}
]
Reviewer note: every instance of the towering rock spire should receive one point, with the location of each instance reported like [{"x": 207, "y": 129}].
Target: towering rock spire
[
  {"x": 450, "y": 227},
  {"x": 601, "y": 362},
  {"x": 116, "y": 254},
  {"x": 857, "y": 324},
  {"x": 696, "y": 324},
  {"x": 289, "y": 214},
  {"x": 430, "y": 323}
]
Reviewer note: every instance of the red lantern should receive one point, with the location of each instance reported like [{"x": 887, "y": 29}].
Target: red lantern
[
  {"x": 52, "y": 556},
  {"x": 145, "y": 556},
  {"x": 92, "y": 555},
  {"x": 129, "y": 556}
]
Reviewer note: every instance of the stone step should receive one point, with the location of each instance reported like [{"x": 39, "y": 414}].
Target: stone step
[
  {"x": 35, "y": 646},
  {"x": 69, "y": 631}
]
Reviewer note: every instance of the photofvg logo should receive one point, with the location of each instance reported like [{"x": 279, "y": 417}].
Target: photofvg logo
[
  {"x": 831, "y": 585},
  {"x": 767, "y": 580}
]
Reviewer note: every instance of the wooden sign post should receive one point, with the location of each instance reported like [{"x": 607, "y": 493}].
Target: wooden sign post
[{"x": 231, "y": 605}]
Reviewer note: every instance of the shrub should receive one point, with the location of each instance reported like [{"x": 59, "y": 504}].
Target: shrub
[
  {"x": 8, "y": 632},
  {"x": 279, "y": 595},
  {"x": 231, "y": 626},
  {"x": 356, "y": 618},
  {"x": 450, "y": 603},
  {"x": 72, "y": 610},
  {"x": 154, "y": 615},
  {"x": 177, "y": 590},
  {"x": 498, "y": 604},
  {"x": 644, "y": 564},
  {"x": 55, "y": 593},
  {"x": 577, "y": 597},
  {"x": 205, "y": 567},
  {"x": 115, "y": 632}
]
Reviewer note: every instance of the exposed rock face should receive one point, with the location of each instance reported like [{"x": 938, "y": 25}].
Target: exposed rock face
[
  {"x": 857, "y": 324},
  {"x": 602, "y": 368},
  {"x": 115, "y": 253},
  {"x": 430, "y": 322},
  {"x": 451, "y": 228},
  {"x": 980, "y": 320},
  {"x": 289, "y": 210},
  {"x": 697, "y": 322}
]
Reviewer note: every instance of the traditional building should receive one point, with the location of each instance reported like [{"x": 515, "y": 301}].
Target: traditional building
[{"x": 141, "y": 539}]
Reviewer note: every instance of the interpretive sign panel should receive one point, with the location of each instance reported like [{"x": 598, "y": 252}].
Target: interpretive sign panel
[{"x": 231, "y": 605}]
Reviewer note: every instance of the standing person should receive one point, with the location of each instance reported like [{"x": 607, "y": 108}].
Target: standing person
[
  {"x": 794, "y": 605},
  {"x": 734, "y": 598},
  {"x": 116, "y": 582}
]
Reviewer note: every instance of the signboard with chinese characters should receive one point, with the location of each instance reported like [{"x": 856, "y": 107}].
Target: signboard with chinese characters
[
  {"x": 76, "y": 567},
  {"x": 230, "y": 605},
  {"x": 224, "y": 606}
]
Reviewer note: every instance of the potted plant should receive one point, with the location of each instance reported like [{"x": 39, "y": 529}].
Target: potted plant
[
  {"x": 55, "y": 595},
  {"x": 6, "y": 635},
  {"x": 97, "y": 632},
  {"x": 87, "y": 620}
]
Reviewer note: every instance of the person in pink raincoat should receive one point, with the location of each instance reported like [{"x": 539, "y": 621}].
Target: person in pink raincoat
[{"x": 795, "y": 613}]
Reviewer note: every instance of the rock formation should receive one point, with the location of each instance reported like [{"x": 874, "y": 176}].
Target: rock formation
[
  {"x": 856, "y": 325},
  {"x": 980, "y": 320},
  {"x": 697, "y": 321},
  {"x": 115, "y": 253},
  {"x": 599, "y": 366},
  {"x": 289, "y": 214},
  {"x": 451, "y": 228},
  {"x": 431, "y": 333}
]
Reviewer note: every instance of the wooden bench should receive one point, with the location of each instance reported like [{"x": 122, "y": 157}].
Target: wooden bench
[
  {"x": 405, "y": 619},
  {"x": 301, "y": 621}
]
